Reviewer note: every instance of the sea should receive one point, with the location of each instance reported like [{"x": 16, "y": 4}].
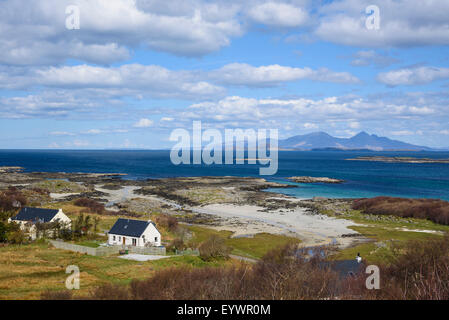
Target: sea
[{"x": 362, "y": 179}]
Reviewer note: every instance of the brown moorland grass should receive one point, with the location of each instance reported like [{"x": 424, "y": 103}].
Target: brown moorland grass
[
  {"x": 27, "y": 271},
  {"x": 420, "y": 270},
  {"x": 431, "y": 209}
]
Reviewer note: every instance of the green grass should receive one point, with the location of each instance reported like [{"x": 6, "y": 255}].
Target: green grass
[
  {"x": 255, "y": 247},
  {"x": 90, "y": 244},
  {"x": 28, "y": 270},
  {"x": 384, "y": 231}
]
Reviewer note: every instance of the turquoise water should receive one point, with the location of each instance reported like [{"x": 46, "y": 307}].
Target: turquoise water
[{"x": 363, "y": 179}]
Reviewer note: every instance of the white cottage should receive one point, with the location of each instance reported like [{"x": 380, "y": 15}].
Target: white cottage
[
  {"x": 28, "y": 217},
  {"x": 138, "y": 233}
]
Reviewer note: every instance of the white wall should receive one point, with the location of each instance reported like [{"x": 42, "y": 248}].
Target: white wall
[
  {"x": 149, "y": 235},
  {"x": 62, "y": 218},
  {"x": 31, "y": 229}
]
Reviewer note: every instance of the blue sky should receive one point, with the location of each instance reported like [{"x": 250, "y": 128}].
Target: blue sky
[{"x": 136, "y": 70}]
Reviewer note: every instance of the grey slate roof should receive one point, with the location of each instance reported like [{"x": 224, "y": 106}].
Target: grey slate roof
[
  {"x": 130, "y": 228},
  {"x": 35, "y": 215}
]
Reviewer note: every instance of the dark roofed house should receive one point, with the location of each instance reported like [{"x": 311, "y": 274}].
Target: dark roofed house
[
  {"x": 30, "y": 216},
  {"x": 35, "y": 215},
  {"x": 134, "y": 233}
]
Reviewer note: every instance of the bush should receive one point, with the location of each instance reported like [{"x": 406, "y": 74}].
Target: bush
[
  {"x": 213, "y": 248},
  {"x": 430, "y": 209},
  {"x": 168, "y": 222},
  {"x": 110, "y": 292},
  {"x": 11, "y": 199},
  {"x": 420, "y": 270},
  {"x": 92, "y": 205},
  {"x": 57, "y": 295},
  {"x": 176, "y": 244}
]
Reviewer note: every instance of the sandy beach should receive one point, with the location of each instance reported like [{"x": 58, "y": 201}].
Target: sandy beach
[
  {"x": 313, "y": 230},
  {"x": 248, "y": 220}
]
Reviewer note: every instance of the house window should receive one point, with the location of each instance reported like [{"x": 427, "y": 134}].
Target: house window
[
  {"x": 143, "y": 238},
  {"x": 134, "y": 242},
  {"x": 113, "y": 238},
  {"x": 155, "y": 239}
]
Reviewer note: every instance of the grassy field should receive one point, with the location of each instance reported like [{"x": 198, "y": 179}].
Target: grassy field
[
  {"x": 384, "y": 231},
  {"x": 28, "y": 270},
  {"x": 255, "y": 247}
]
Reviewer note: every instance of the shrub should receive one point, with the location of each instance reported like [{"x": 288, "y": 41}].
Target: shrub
[
  {"x": 213, "y": 248},
  {"x": 176, "y": 244},
  {"x": 420, "y": 270},
  {"x": 110, "y": 292},
  {"x": 11, "y": 199},
  {"x": 57, "y": 295},
  {"x": 92, "y": 205},
  {"x": 430, "y": 209},
  {"x": 168, "y": 222}
]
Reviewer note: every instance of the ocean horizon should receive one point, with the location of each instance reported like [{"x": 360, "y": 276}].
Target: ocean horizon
[{"x": 362, "y": 179}]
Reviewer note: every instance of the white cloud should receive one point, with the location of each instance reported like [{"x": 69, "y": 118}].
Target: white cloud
[
  {"x": 278, "y": 14},
  {"x": 413, "y": 76},
  {"x": 310, "y": 126},
  {"x": 140, "y": 81},
  {"x": 403, "y": 23},
  {"x": 92, "y": 131},
  {"x": 80, "y": 143},
  {"x": 144, "y": 123},
  {"x": 370, "y": 57},
  {"x": 61, "y": 133},
  {"x": 37, "y": 34},
  {"x": 421, "y": 110},
  {"x": 272, "y": 75},
  {"x": 402, "y": 133},
  {"x": 354, "y": 125},
  {"x": 255, "y": 112}
]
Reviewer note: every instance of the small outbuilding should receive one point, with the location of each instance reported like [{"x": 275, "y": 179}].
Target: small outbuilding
[
  {"x": 28, "y": 217},
  {"x": 137, "y": 233}
]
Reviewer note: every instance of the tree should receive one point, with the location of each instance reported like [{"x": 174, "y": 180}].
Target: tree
[
  {"x": 214, "y": 247},
  {"x": 3, "y": 232},
  {"x": 96, "y": 221}
]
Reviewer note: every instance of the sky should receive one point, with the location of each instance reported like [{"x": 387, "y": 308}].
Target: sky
[{"x": 132, "y": 71}]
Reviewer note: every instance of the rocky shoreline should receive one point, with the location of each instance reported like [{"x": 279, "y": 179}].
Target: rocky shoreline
[
  {"x": 238, "y": 204},
  {"x": 315, "y": 180}
]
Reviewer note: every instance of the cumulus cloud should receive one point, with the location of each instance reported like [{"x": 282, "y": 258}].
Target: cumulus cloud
[
  {"x": 308, "y": 111},
  {"x": 108, "y": 29},
  {"x": 413, "y": 76},
  {"x": 272, "y": 75},
  {"x": 402, "y": 24},
  {"x": 278, "y": 14},
  {"x": 144, "y": 123},
  {"x": 159, "y": 82},
  {"x": 370, "y": 57}
]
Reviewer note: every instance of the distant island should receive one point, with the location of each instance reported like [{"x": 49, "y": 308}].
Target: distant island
[
  {"x": 321, "y": 141},
  {"x": 400, "y": 159},
  {"x": 314, "y": 180}
]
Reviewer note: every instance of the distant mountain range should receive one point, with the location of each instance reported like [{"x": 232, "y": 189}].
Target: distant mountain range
[{"x": 361, "y": 141}]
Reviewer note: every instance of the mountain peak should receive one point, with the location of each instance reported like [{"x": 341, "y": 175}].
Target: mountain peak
[
  {"x": 363, "y": 140},
  {"x": 362, "y": 134}
]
